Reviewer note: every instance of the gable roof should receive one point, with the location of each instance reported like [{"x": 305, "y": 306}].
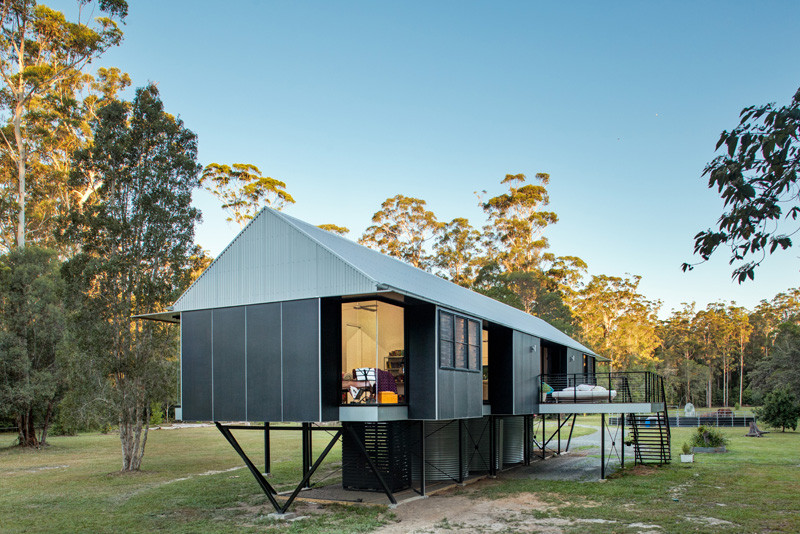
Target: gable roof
[{"x": 277, "y": 257}]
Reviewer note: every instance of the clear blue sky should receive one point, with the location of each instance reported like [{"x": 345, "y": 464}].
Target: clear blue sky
[{"x": 353, "y": 102}]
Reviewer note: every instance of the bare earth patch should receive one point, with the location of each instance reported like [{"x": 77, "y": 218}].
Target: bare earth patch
[{"x": 461, "y": 512}]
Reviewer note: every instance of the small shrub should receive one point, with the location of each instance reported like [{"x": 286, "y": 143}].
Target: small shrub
[
  {"x": 736, "y": 407},
  {"x": 708, "y": 436},
  {"x": 156, "y": 414},
  {"x": 780, "y": 409},
  {"x": 686, "y": 448}
]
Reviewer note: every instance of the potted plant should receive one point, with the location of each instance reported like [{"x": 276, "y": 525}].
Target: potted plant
[{"x": 687, "y": 457}]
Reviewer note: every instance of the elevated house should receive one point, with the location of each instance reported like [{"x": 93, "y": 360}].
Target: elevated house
[{"x": 427, "y": 380}]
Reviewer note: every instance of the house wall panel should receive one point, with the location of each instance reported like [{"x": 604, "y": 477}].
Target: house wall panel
[
  {"x": 264, "y": 362},
  {"x": 230, "y": 386},
  {"x": 301, "y": 360},
  {"x": 196, "y": 377},
  {"x": 526, "y": 371}
]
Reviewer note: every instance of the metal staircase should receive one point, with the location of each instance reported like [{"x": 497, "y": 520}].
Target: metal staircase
[{"x": 651, "y": 437}]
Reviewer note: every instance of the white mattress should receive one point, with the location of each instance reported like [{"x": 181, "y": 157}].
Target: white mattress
[{"x": 584, "y": 393}]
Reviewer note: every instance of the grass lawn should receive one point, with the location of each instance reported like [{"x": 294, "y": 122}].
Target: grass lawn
[
  {"x": 755, "y": 487},
  {"x": 192, "y": 481}
]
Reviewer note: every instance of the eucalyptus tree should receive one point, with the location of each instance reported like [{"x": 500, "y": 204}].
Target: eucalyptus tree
[
  {"x": 679, "y": 336},
  {"x": 334, "y": 228},
  {"x": 137, "y": 254},
  {"x": 516, "y": 251},
  {"x": 401, "y": 228},
  {"x": 617, "y": 320},
  {"x": 741, "y": 330},
  {"x": 457, "y": 252},
  {"x": 516, "y": 222},
  {"x": 41, "y": 52},
  {"x": 244, "y": 190}
]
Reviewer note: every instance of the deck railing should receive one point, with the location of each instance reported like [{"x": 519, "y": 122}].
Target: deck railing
[{"x": 633, "y": 386}]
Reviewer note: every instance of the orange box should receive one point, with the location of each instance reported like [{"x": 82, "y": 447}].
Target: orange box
[{"x": 387, "y": 397}]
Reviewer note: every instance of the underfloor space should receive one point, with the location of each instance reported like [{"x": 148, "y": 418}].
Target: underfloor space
[{"x": 336, "y": 493}]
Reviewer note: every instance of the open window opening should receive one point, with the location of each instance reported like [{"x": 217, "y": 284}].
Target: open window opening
[{"x": 373, "y": 353}]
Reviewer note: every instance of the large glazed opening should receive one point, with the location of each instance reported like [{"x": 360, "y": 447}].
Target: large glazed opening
[{"x": 373, "y": 353}]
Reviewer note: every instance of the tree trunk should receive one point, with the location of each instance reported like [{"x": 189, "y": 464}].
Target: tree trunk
[
  {"x": 21, "y": 171},
  {"x": 688, "y": 379},
  {"x": 27, "y": 431},
  {"x": 708, "y": 390},
  {"x": 133, "y": 427},
  {"x": 46, "y": 425},
  {"x": 741, "y": 375}
]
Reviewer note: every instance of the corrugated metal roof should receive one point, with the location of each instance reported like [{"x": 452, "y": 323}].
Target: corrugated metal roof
[
  {"x": 272, "y": 261},
  {"x": 277, "y": 257},
  {"x": 405, "y": 278}
]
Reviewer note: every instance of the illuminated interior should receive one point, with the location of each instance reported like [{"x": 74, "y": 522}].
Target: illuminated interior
[{"x": 373, "y": 353}]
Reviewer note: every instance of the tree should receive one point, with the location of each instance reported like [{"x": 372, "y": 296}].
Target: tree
[
  {"x": 757, "y": 177},
  {"x": 679, "y": 335},
  {"x": 457, "y": 251},
  {"x": 781, "y": 369},
  {"x": 516, "y": 258},
  {"x": 243, "y": 190},
  {"x": 32, "y": 328},
  {"x": 780, "y": 409},
  {"x": 401, "y": 228},
  {"x": 716, "y": 334},
  {"x": 57, "y": 124},
  {"x": 136, "y": 254},
  {"x": 515, "y": 233},
  {"x": 741, "y": 330},
  {"x": 617, "y": 321},
  {"x": 336, "y": 229},
  {"x": 40, "y": 50}
]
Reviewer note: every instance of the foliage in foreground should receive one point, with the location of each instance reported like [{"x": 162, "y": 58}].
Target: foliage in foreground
[
  {"x": 136, "y": 244},
  {"x": 757, "y": 178}
]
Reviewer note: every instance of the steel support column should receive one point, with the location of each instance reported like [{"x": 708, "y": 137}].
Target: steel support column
[
  {"x": 492, "y": 448},
  {"x": 602, "y": 446},
  {"x": 306, "y": 452},
  {"x": 559, "y": 432},
  {"x": 267, "y": 459},
  {"x": 622, "y": 449},
  {"x": 460, "y": 452},
  {"x": 526, "y": 448},
  {"x": 544, "y": 436},
  {"x": 422, "y": 459}
]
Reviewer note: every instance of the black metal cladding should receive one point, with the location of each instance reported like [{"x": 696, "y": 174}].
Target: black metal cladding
[
  {"x": 256, "y": 363},
  {"x": 264, "y": 362},
  {"x": 196, "y": 400},
  {"x": 230, "y": 402},
  {"x": 301, "y": 360}
]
